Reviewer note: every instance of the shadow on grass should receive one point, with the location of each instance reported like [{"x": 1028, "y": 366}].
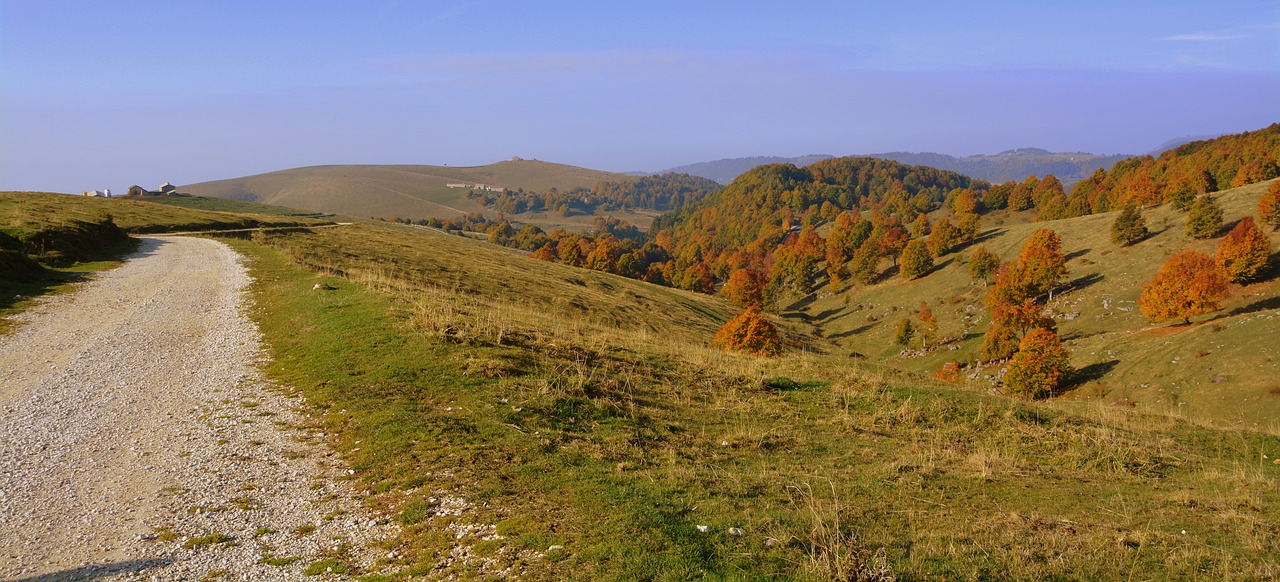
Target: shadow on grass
[
  {"x": 1090, "y": 373},
  {"x": 1084, "y": 281},
  {"x": 855, "y": 331},
  {"x": 1077, "y": 254}
]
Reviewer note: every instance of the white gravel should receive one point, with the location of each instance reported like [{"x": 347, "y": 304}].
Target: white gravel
[{"x": 133, "y": 407}]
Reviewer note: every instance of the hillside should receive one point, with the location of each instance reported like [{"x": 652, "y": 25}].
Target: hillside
[
  {"x": 1013, "y": 165},
  {"x": 523, "y": 418},
  {"x": 411, "y": 192},
  {"x": 1220, "y": 369}
]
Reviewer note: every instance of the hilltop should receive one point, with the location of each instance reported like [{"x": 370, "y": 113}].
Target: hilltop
[{"x": 405, "y": 191}]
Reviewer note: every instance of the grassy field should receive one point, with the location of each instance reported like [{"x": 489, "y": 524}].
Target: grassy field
[
  {"x": 49, "y": 242},
  {"x": 414, "y": 192},
  {"x": 525, "y": 418},
  {"x": 229, "y": 205},
  {"x": 1219, "y": 369},
  {"x": 514, "y": 429}
]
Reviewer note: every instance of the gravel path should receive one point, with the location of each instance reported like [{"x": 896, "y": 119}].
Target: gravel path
[{"x": 134, "y": 425}]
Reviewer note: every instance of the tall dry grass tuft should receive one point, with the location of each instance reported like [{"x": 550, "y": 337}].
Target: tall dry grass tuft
[{"x": 833, "y": 550}]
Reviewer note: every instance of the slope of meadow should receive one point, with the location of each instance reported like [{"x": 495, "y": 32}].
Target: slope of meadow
[
  {"x": 522, "y": 417},
  {"x": 519, "y": 417},
  {"x": 1220, "y": 368},
  {"x": 407, "y": 191}
]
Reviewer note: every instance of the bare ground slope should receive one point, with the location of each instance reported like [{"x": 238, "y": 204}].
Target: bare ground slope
[{"x": 136, "y": 435}]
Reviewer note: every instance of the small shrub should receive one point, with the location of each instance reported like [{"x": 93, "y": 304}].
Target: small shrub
[
  {"x": 749, "y": 332},
  {"x": 949, "y": 372}
]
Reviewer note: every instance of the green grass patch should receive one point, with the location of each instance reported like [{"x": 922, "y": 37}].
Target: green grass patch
[
  {"x": 209, "y": 540},
  {"x": 582, "y": 434}
]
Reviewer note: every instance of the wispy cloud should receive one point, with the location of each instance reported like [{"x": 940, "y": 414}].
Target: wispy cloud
[{"x": 1204, "y": 37}]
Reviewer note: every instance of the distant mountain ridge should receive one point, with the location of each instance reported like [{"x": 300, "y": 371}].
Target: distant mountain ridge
[
  {"x": 724, "y": 171},
  {"x": 1016, "y": 164}
]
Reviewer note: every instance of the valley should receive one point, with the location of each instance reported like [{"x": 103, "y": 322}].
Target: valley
[{"x": 543, "y": 416}]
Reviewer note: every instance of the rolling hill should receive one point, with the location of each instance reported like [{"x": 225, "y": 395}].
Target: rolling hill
[
  {"x": 1016, "y": 165},
  {"x": 405, "y": 191},
  {"x": 724, "y": 171}
]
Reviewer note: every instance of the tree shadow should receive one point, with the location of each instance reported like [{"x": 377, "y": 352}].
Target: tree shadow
[
  {"x": 938, "y": 267},
  {"x": 1259, "y": 305},
  {"x": 1084, "y": 281},
  {"x": 854, "y": 331},
  {"x": 825, "y": 315},
  {"x": 1076, "y": 254},
  {"x": 1090, "y": 373},
  {"x": 95, "y": 571},
  {"x": 985, "y": 236}
]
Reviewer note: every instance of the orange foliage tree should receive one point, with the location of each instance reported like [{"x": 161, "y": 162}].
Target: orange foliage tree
[
  {"x": 749, "y": 332},
  {"x": 745, "y": 288},
  {"x": 1269, "y": 206},
  {"x": 1015, "y": 300},
  {"x": 1188, "y": 283},
  {"x": 1040, "y": 365},
  {"x": 1243, "y": 253}
]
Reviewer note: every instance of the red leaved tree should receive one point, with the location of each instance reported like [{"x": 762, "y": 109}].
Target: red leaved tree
[
  {"x": 745, "y": 288},
  {"x": 1188, "y": 283},
  {"x": 749, "y": 332},
  {"x": 1243, "y": 253}
]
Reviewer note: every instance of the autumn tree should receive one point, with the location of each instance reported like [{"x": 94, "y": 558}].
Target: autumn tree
[
  {"x": 944, "y": 237},
  {"x": 1041, "y": 263},
  {"x": 1269, "y": 206},
  {"x": 1204, "y": 220},
  {"x": 745, "y": 288},
  {"x": 916, "y": 260},
  {"x": 1243, "y": 253},
  {"x": 920, "y": 227},
  {"x": 749, "y": 332},
  {"x": 982, "y": 264},
  {"x": 1188, "y": 283},
  {"x": 949, "y": 372},
  {"x": 1040, "y": 365},
  {"x": 1129, "y": 227},
  {"x": 1015, "y": 301},
  {"x": 928, "y": 323},
  {"x": 545, "y": 253}
]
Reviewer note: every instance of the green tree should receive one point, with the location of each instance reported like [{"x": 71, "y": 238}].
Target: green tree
[
  {"x": 983, "y": 264},
  {"x": 904, "y": 333},
  {"x": 1204, "y": 220},
  {"x": 916, "y": 260},
  {"x": 1129, "y": 227}
]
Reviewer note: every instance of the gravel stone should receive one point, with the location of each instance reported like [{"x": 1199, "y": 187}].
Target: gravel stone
[{"x": 134, "y": 422}]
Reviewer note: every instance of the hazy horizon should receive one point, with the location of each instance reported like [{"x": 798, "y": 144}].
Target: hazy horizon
[{"x": 101, "y": 95}]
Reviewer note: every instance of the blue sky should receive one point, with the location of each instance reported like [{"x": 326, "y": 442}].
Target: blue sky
[{"x": 104, "y": 94}]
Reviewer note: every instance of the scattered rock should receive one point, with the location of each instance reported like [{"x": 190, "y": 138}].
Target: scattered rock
[{"x": 736, "y": 531}]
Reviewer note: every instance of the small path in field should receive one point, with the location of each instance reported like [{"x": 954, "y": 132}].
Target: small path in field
[{"x": 139, "y": 441}]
